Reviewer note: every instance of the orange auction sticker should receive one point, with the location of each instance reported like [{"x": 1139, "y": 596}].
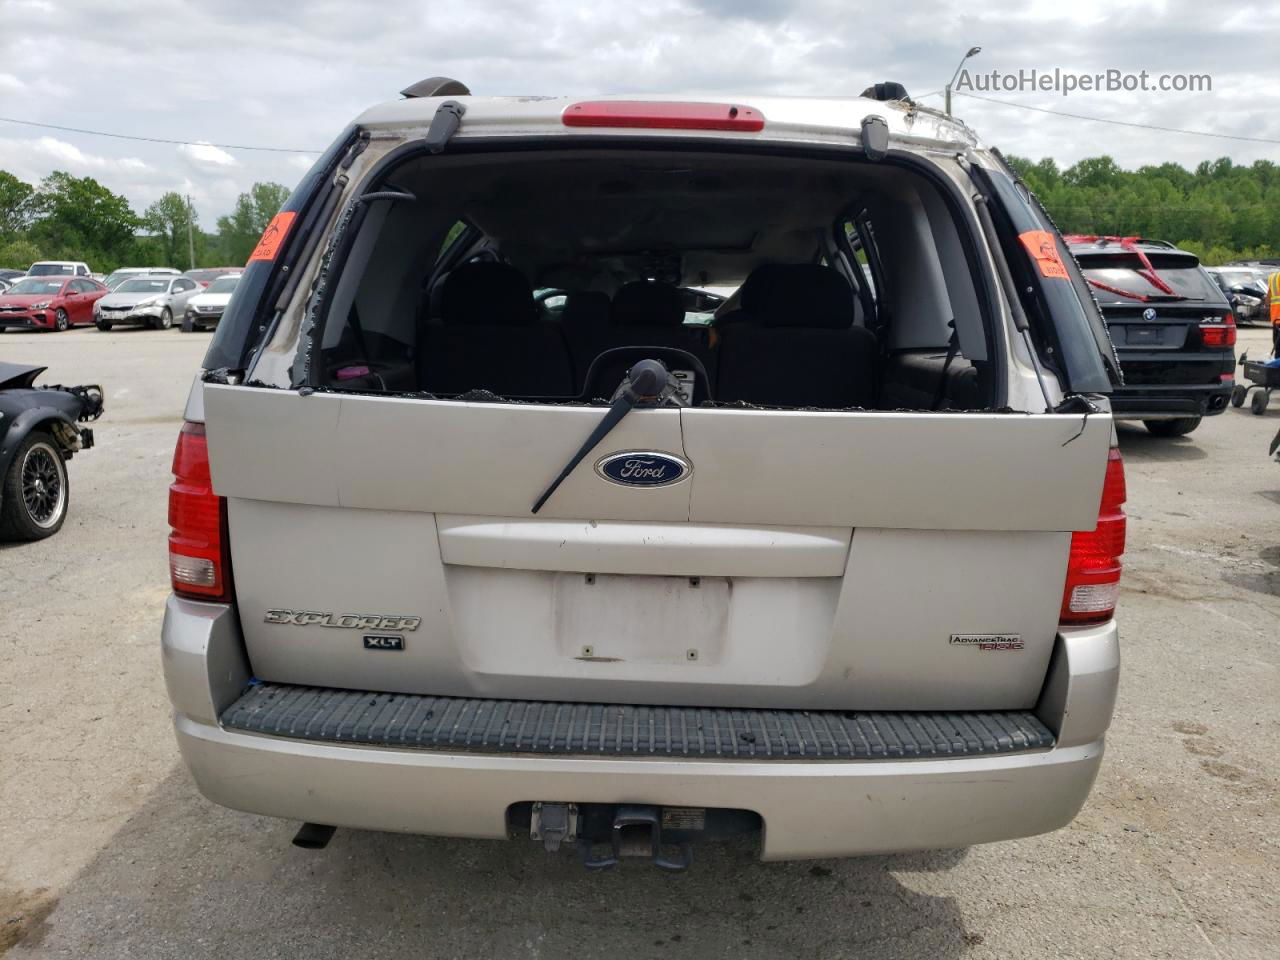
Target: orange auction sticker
[
  {"x": 273, "y": 236},
  {"x": 1044, "y": 251}
]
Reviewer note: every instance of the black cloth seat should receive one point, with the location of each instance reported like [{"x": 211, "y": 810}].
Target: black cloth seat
[
  {"x": 585, "y": 322},
  {"x": 490, "y": 338},
  {"x": 795, "y": 344},
  {"x": 648, "y": 313},
  {"x": 757, "y": 279}
]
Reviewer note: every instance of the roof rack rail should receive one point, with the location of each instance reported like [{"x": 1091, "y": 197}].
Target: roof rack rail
[
  {"x": 436, "y": 87},
  {"x": 887, "y": 90}
]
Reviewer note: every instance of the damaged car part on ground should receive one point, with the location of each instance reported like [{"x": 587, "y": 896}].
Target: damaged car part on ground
[
  {"x": 839, "y": 559},
  {"x": 40, "y": 430}
]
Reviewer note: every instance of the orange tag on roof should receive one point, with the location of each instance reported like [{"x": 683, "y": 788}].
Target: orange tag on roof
[
  {"x": 273, "y": 236},
  {"x": 1044, "y": 251}
]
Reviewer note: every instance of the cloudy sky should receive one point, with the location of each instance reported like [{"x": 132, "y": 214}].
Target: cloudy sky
[{"x": 291, "y": 75}]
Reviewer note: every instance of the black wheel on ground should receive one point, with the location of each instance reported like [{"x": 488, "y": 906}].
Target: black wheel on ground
[
  {"x": 1177, "y": 427},
  {"x": 166, "y": 319},
  {"x": 103, "y": 325},
  {"x": 1238, "y": 393},
  {"x": 1258, "y": 402},
  {"x": 35, "y": 490},
  {"x": 60, "y": 320},
  {"x": 187, "y": 325}
]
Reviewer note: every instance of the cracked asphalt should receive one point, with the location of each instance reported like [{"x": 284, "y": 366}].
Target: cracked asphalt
[{"x": 106, "y": 849}]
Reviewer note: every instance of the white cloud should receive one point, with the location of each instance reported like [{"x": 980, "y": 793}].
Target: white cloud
[
  {"x": 42, "y": 155},
  {"x": 68, "y": 155},
  {"x": 207, "y": 157},
  {"x": 293, "y": 75}
]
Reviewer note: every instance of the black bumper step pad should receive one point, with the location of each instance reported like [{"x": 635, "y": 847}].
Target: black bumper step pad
[{"x": 459, "y": 724}]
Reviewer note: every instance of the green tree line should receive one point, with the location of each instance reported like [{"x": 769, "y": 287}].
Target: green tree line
[
  {"x": 1219, "y": 211},
  {"x": 77, "y": 218}
]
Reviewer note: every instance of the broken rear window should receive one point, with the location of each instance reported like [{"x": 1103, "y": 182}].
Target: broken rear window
[{"x": 547, "y": 276}]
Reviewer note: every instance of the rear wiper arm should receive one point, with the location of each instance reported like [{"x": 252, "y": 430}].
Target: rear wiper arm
[{"x": 646, "y": 380}]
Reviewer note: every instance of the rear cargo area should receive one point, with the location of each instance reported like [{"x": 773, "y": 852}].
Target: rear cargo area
[{"x": 846, "y": 496}]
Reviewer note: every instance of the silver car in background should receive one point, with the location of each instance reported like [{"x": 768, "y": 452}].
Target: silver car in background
[
  {"x": 151, "y": 301},
  {"x": 117, "y": 277}
]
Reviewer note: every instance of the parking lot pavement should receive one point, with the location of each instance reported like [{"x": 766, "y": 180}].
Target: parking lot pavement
[{"x": 106, "y": 849}]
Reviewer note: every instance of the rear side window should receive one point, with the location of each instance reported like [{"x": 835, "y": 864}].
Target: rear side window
[
  {"x": 1070, "y": 333},
  {"x": 1119, "y": 277},
  {"x": 457, "y": 230}
]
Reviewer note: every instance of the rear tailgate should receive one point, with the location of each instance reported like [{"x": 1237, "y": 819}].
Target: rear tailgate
[
  {"x": 825, "y": 560},
  {"x": 1160, "y": 343}
]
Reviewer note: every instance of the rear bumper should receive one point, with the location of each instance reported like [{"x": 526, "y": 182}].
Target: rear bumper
[
  {"x": 1156, "y": 402},
  {"x": 809, "y": 809}
]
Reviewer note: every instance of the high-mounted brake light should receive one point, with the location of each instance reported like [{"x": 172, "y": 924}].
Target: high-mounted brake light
[
  {"x": 1215, "y": 333},
  {"x": 199, "y": 565},
  {"x": 661, "y": 115},
  {"x": 1093, "y": 570}
]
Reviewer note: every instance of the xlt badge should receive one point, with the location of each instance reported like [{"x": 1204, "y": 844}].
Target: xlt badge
[
  {"x": 383, "y": 643},
  {"x": 989, "y": 641}
]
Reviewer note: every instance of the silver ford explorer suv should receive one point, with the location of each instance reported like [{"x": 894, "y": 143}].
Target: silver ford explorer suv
[{"x": 488, "y": 521}]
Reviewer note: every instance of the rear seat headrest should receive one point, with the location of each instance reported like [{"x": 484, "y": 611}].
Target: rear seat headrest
[
  {"x": 647, "y": 303},
  {"x": 585, "y": 307},
  {"x": 798, "y": 295},
  {"x": 485, "y": 292}
]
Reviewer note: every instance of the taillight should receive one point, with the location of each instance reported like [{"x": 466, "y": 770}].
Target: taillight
[
  {"x": 1222, "y": 333},
  {"x": 655, "y": 115},
  {"x": 198, "y": 562},
  {"x": 1093, "y": 570}
]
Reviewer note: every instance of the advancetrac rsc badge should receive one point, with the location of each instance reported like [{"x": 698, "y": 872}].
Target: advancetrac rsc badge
[{"x": 988, "y": 641}]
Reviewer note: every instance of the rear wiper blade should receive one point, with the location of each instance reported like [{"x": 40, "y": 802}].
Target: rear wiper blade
[{"x": 646, "y": 380}]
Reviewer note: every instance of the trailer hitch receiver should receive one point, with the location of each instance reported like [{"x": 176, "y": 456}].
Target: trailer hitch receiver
[{"x": 637, "y": 832}]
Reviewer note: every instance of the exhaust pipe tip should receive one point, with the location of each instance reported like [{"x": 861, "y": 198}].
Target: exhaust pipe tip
[{"x": 313, "y": 836}]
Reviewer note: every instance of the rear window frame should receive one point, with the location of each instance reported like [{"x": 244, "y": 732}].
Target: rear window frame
[
  {"x": 336, "y": 252},
  {"x": 251, "y": 317}
]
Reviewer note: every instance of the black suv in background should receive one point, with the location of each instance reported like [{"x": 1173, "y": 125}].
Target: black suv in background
[{"x": 1173, "y": 329}]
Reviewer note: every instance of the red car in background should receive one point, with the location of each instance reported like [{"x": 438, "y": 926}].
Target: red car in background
[{"x": 50, "y": 303}]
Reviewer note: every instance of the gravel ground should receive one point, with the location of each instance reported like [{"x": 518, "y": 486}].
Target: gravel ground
[{"x": 106, "y": 849}]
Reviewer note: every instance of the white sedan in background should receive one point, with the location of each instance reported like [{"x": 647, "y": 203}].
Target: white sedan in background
[{"x": 204, "y": 310}]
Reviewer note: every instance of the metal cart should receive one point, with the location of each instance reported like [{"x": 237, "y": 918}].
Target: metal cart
[{"x": 1262, "y": 378}]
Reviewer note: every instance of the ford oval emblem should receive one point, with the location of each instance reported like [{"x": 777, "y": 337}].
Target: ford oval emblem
[
  {"x": 642, "y": 468},
  {"x": 1148, "y": 314}
]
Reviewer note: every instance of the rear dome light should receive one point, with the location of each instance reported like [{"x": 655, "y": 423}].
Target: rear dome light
[
  {"x": 655, "y": 115},
  {"x": 199, "y": 566},
  {"x": 1093, "y": 568}
]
